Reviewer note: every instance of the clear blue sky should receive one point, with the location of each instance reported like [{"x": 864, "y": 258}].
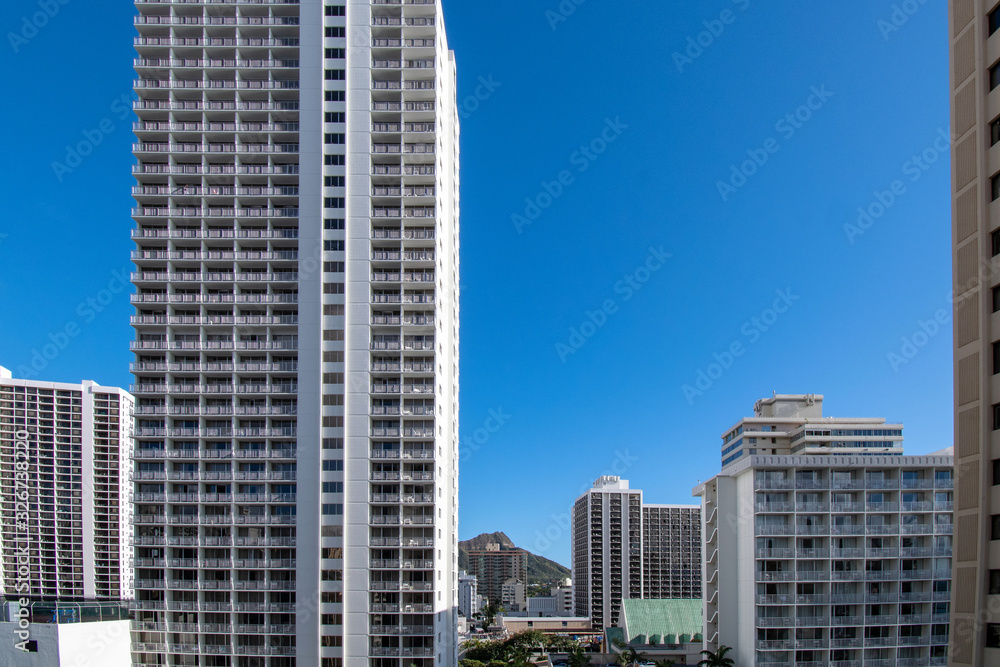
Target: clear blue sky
[{"x": 620, "y": 146}]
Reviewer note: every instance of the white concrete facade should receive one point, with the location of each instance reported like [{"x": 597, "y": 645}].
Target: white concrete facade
[
  {"x": 469, "y": 599},
  {"x": 74, "y": 444},
  {"x": 829, "y": 560},
  {"x": 297, "y": 334},
  {"x": 794, "y": 424}
]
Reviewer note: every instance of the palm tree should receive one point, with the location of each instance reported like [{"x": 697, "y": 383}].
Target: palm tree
[
  {"x": 578, "y": 657},
  {"x": 630, "y": 657},
  {"x": 717, "y": 659},
  {"x": 490, "y": 612}
]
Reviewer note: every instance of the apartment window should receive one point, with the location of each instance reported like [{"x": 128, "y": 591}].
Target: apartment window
[
  {"x": 996, "y": 416},
  {"x": 995, "y": 187},
  {"x": 335, "y": 96},
  {"x": 333, "y": 223},
  {"x": 996, "y": 472},
  {"x": 339, "y": 31},
  {"x": 334, "y": 117},
  {"x": 993, "y": 20},
  {"x": 335, "y": 75},
  {"x": 335, "y": 54},
  {"x": 993, "y": 635},
  {"x": 996, "y": 299},
  {"x": 333, "y": 159},
  {"x": 335, "y": 10},
  {"x": 994, "y": 132},
  {"x": 339, "y": 139},
  {"x": 995, "y": 527},
  {"x": 994, "y": 582},
  {"x": 333, "y": 202},
  {"x": 996, "y": 356}
]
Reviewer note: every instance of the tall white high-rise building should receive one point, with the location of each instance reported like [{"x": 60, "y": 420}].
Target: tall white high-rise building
[
  {"x": 296, "y": 334},
  {"x": 65, "y": 491}
]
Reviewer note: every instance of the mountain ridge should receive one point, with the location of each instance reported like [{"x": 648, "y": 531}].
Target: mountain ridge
[{"x": 541, "y": 570}]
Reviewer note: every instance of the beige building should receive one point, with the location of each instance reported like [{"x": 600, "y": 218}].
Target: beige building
[
  {"x": 975, "y": 77},
  {"x": 494, "y": 566}
]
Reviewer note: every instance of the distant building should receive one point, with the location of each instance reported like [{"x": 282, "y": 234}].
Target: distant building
[
  {"x": 624, "y": 549},
  {"x": 607, "y": 549},
  {"x": 559, "y": 602},
  {"x": 74, "y": 514},
  {"x": 469, "y": 599},
  {"x": 558, "y": 625},
  {"x": 493, "y": 566},
  {"x": 564, "y": 599},
  {"x": 512, "y": 595},
  {"x": 671, "y": 551}
]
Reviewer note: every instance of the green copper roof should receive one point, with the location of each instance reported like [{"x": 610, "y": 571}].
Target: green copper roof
[{"x": 661, "y": 617}]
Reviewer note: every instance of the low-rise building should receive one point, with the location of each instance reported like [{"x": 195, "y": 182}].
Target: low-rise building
[
  {"x": 64, "y": 634},
  {"x": 659, "y": 629}
]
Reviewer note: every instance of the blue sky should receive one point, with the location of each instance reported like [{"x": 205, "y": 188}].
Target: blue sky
[{"x": 630, "y": 217}]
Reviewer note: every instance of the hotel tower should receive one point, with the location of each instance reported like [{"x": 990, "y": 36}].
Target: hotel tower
[{"x": 296, "y": 334}]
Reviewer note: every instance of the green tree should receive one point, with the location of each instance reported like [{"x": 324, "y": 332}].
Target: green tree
[
  {"x": 666, "y": 662},
  {"x": 490, "y": 612},
  {"x": 717, "y": 659},
  {"x": 628, "y": 656},
  {"x": 578, "y": 657}
]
